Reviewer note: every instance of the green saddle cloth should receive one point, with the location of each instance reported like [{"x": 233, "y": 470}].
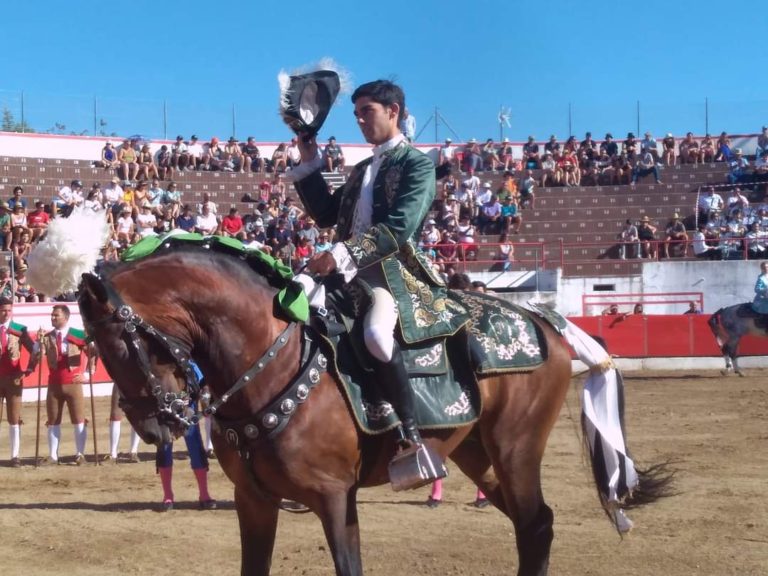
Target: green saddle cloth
[{"x": 500, "y": 338}]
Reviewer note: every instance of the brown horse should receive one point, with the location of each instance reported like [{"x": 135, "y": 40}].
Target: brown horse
[{"x": 150, "y": 316}]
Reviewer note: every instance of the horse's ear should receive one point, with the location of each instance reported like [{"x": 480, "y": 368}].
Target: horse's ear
[{"x": 93, "y": 286}]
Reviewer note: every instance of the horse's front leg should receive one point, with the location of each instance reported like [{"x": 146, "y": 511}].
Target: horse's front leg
[
  {"x": 258, "y": 524},
  {"x": 338, "y": 514}
]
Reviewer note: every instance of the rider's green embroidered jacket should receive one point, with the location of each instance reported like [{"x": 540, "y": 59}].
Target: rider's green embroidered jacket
[{"x": 402, "y": 195}]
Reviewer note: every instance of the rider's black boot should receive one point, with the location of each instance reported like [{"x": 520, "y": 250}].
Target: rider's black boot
[{"x": 393, "y": 379}]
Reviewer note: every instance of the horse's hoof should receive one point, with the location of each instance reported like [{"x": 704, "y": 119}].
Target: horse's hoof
[
  {"x": 741, "y": 374},
  {"x": 433, "y": 502}
]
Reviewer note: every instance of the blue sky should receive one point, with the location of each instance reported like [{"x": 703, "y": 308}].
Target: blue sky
[{"x": 464, "y": 58}]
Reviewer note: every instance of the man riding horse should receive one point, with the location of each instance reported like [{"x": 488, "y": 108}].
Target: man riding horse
[{"x": 379, "y": 212}]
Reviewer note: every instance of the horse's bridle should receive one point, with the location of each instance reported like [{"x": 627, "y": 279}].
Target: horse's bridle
[
  {"x": 171, "y": 406},
  {"x": 175, "y": 407}
]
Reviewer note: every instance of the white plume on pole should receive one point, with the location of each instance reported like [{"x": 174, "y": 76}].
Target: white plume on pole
[{"x": 70, "y": 248}]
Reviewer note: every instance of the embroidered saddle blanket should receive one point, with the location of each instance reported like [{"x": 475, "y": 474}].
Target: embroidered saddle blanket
[{"x": 499, "y": 338}]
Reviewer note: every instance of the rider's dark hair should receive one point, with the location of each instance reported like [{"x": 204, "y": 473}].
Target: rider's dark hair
[{"x": 384, "y": 92}]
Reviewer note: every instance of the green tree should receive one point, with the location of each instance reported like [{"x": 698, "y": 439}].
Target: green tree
[{"x": 9, "y": 123}]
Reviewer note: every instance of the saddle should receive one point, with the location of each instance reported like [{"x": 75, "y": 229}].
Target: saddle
[
  {"x": 746, "y": 311},
  {"x": 498, "y": 338}
]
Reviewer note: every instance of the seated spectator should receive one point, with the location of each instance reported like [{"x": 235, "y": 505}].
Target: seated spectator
[
  {"x": 323, "y": 243},
  {"x": 531, "y": 157},
  {"x": 233, "y": 158},
  {"x": 108, "y": 159},
  {"x": 18, "y": 199},
  {"x": 709, "y": 201},
  {"x": 491, "y": 160},
  {"x": 38, "y": 221},
  {"x": 307, "y": 229},
  {"x": 736, "y": 201},
  {"x": 21, "y": 250},
  {"x": 668, "y": 145},
  {"x": 280, "y": 236},
  {"x": 506, "y": 252},
  {"x": 156, "y": 195},
  {"x": 195, "y": 150},
  {"x": 147, "y": 166},
  {"x": 333, "y": 156},
  {"x": 511, "y": 219},
  {"x": 489, "y": 220},
  {"x": 186, "y": 220},
  {"x": 612, "y": 310},
  {"x": 760, "y": 173},
  {"x": 472, "y": 159},
  {"x": 692, "y": 308},
  {"x": 164, "y": 163},
  {"x": 526, "y": 187},
  {"x": 278, "y": 189},
  {"x": 279, "y": 161},
  {"x": 125, "y": 228},
  {"x": 689, "y": 150},
  {"x": 171, "y": 200},
  {"x": 140, "y": 195},
  {"x": 549, "y": 173},
  {"x": 468, "y": 247},
  {"x": 552, "y": 146},
  {"x": 213, "y": 156},
  {"x": 756, "y": 243},
  {"x": 232, "y": 225},
  {"x": 447, "y": 154},
  {"x": 253, "y": 160},
  {"x": 591, "y": 174},
  {"x": 146, "y": 221},
  {"x": 588, "y": 150},
  {"x": 92, "y": 200},
  {"x": 448, "y": 249},
  {"x": 112, "y": 195},
  {"x": 629, "y": 241},
  {"x": 212, "y": 207},
  {"x": 646, "y": 165},
  {"x": 629, "y": 147},
  {"x": 506, "y": 155},
  {"x": 723, "y": 148},
  {"x": 449, "y": 215},
  {"x": 23, "y": 290},
  {"x": 609, "y": 146},
  {"x": 293, "y": 153},
  {"x": 700, "y": 247},
  {"x": 303, "y": 252},
  {"x": 206, "y": 222},
  {"x": 648, "y": 144},
  {"x": 567, "y": 169},
  {"x": 646, "y": 233},
  {"x": 676, "y": 236},
  {"x": 707, "y": 149},
  {"x": 128, "y": 159},
  {"x": 738, "y": 167},
  {"x": 180, "y": 157},
  {"x": 69, "y": 197},
  {"x": 509, "y": 186}
]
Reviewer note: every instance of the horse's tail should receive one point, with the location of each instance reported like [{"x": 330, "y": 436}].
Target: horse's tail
[
  {"x": 715, "y": 324},
  {"x": 620, "y": 485}
]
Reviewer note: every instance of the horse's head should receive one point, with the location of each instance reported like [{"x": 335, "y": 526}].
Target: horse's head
[{"x": 151, "y": 370}]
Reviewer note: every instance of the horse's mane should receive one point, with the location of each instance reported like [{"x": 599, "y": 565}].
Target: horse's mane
[{"x": 216, "y": 261}]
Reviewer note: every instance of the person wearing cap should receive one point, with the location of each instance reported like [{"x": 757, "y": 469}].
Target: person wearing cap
[
  {"x": 491, "y": 159},
  {"x": 213, "y": 156},
  {"x": 69, "y": 197},
  {"x": 645, "y": 165},
  {"x": 38, "y": 220},
  {"x": 23, "y": 290},
  {"x": 549, "y": 172},
  {"x": 113, "y": 194},
  {"x": 531, "y": 157},
  {"x": 609, "y": 146},
  {"x": 108, "y": 159},
  {"x": 254, "y": 162},
  {"x": 450, "y": 211},
  {"x": 669, "y": 156},
  {"x": 323, "y": 243},
  {"x": 233, "y": 158},
  {"x": 448, "y": 155},
  {"x": 526, "y": 188},
  {"x": 588, "y": 149},
  {"x": 379, "y": 212},
  {"x": 676, "y": 236},
  {"x": 489, "y": 219},
  {"x": 127, "y": 157},
  {"x": 738, "y": 168},
  {"x": 629, "y": 147},
  {"x": 125, "y": 228},
  {"x": 552, "y": 146},
  {"x": 506, "y": 155},
  {"x": 333, "y": 156}
]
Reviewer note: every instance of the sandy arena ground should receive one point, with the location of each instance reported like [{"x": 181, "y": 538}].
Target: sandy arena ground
[{"x": 104, "y": 520}]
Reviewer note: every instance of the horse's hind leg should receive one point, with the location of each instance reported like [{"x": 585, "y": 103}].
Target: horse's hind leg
[{"x": 258, "y": 525}]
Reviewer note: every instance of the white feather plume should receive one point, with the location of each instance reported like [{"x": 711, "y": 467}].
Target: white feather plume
[
  {"x": 70, "y": 248},
  {"x": 325, "y": 63}
]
